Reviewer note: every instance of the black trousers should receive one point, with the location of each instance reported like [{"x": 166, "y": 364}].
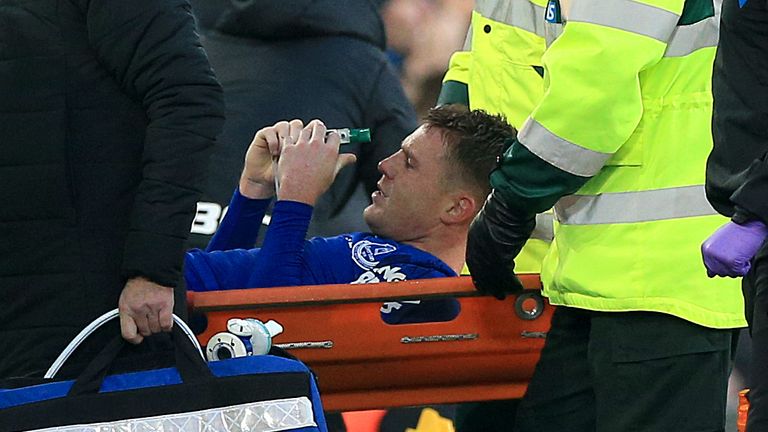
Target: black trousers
[
  {"x": 755, "y": 288},
  {"x": 628, "y": 371},
  {"x": 740, "y": 87}
]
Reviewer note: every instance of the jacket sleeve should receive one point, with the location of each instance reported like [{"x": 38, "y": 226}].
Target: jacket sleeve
[
  {"x": 455, "y": 88},
  {"x": 752, "y": 195},
  {"x": 592, "y": 103},
  {"x": 152, "y": 50}
]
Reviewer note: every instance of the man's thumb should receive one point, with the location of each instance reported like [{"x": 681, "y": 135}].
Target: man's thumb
[{"x": 344, "y": 160}]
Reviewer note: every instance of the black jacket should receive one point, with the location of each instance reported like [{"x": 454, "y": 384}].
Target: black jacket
[
  {"x": 302, "y": 59},
  {"x": 108, "y": 112},
  {"x": 737, "y": 169}
]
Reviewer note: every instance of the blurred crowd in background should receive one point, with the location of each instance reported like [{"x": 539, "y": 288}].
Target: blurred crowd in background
[{"x": 421, "y": 36}]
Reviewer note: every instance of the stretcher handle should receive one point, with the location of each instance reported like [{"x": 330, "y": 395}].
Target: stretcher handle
[
  {"x": 344, "y": 293},
  {"x": 95, "y": 325}
]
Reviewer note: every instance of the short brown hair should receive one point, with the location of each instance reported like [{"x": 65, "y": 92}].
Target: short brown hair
[{"x": 473, "y": 141}]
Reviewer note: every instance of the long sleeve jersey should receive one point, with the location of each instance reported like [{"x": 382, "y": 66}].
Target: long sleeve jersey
[{"x": 287, "y": 259}]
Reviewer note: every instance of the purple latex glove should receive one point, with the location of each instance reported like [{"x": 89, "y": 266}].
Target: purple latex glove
[{"x": 729, "y": 250}]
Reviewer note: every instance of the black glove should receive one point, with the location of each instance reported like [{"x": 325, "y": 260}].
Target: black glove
[{"x": 496, "y": 236}]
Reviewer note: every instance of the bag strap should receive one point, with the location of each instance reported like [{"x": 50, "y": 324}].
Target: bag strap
[
  {"x": 95, "y": 325},
  {"x": 189, "y": 364}
]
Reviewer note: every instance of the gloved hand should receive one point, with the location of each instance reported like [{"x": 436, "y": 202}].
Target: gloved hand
[
  {"x": 496, "y": 236},
  {"x": 729, "y": 250}
]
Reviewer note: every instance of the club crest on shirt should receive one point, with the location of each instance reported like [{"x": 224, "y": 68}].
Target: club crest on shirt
[{"x": 365, "y": 253}]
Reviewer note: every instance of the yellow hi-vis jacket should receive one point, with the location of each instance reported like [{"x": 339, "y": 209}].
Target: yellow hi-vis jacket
[
  {"x": 626, "y": 108},
  {"x": 502, "y": 71}
]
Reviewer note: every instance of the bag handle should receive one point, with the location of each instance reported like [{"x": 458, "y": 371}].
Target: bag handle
[
  {"x": 100, "y": 321},
  {"x": 189, "y": 364}
]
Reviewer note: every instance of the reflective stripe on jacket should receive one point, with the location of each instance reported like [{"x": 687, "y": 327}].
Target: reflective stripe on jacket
[{"x": 628, "y": 104}]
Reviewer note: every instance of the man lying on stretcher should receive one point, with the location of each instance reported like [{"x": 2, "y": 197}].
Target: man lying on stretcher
[{"x": 429, "y": 192}]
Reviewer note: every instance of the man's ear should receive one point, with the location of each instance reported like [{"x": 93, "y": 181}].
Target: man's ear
[{"x": 462, "y": 210}]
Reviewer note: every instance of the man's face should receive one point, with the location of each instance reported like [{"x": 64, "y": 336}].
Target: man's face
[{"x": 411, "y": 195}]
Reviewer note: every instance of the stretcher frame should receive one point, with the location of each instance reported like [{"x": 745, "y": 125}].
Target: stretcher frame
[{"x": 488, "y": 352}]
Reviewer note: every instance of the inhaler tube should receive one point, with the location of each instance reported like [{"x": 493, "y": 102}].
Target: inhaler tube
[{"x": 352, "y": 136}]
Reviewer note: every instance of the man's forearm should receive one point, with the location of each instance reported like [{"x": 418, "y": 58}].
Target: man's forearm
[{"x": 253, "y": 188}]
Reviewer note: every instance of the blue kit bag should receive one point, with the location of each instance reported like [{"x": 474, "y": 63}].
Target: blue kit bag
[{"x": 256, "y": 393}]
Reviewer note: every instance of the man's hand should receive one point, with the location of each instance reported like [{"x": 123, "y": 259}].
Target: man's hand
[
  {"x": 145, "y": 308},
  {"x": 730, "y": 249},
  {"x": 496, "y": 236},
  {"x": 258, "y": 179},
  {"x": 309, "y": 163}
]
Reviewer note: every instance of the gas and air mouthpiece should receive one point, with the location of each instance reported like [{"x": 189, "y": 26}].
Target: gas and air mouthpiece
[{"x": 352, "y": 136}]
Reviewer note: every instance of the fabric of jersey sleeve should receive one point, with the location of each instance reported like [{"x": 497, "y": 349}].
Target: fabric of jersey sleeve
[
  {"x": 219, "y": 270},
  {"x": 592, "y": 102},
  {"x": 283, "y": 260},
  {"x": 280, "y": 261},
  {"x": 241, "y": 224}
]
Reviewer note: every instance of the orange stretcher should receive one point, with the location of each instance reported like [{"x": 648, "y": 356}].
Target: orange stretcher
[{"x": 488, "y": 352}]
